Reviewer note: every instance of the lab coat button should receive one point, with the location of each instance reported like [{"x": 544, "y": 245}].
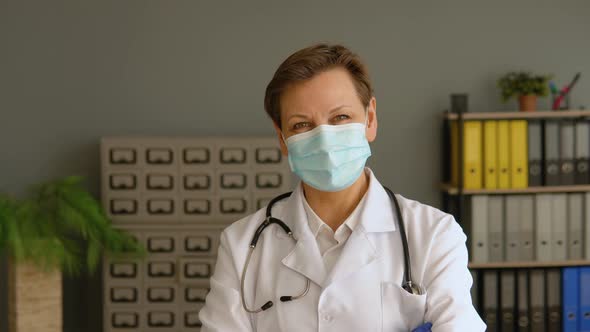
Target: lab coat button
[{"x": 327, "y": 318}]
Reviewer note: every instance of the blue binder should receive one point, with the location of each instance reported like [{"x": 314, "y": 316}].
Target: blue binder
[
  {"x": 584, "y": 314},
  {"x": 570, "y": 290}
]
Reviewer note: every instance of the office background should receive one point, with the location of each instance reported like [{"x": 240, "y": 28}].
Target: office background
[{"x": 71, "y": 72}]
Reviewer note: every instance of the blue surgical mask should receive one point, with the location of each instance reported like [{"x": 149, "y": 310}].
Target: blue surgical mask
[{"x": 329, "y": 157}]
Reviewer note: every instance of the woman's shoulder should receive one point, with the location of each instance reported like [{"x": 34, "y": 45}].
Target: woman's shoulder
[{"x": 427, "y": 219}]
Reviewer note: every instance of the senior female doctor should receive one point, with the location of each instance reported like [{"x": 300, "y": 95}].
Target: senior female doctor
[{"x": 331, "y": 256}]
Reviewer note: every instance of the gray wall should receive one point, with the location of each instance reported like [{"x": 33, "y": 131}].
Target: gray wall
[{"x": 73, "y": 71}]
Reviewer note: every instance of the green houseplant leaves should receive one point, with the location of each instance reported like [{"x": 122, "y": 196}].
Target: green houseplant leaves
[
  {"x": 59, "y": 225},
  {"x": 523, "y": 83}
]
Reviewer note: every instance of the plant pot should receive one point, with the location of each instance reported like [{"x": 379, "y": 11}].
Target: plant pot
[
  {"x": 34, "y": 299},
  {"x": 527, "y": 103}
]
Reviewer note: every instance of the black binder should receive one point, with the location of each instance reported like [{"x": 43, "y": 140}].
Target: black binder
[
  {"x": 551, "y": 143},
  {"x": 582, "y": 152},
  {"x": 535, "y": 153},
  {"x": 553, "y": 289},
  {"x": 537, "y": 300},
  {"x": 566, "y": 152},
  {"x": 507, "y": 300}
]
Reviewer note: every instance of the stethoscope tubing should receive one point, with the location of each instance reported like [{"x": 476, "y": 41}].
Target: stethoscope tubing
[{"x": 407, "y": 283}]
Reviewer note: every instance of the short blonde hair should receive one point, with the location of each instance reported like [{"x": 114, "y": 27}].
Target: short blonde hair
[{"x": 310, "y": 61}]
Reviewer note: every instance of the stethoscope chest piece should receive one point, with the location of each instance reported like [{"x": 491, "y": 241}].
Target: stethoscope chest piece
[{"x": 413, "y": 288}]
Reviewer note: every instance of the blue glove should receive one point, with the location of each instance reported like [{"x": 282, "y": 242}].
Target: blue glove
[{"x": 423, "y": 328}]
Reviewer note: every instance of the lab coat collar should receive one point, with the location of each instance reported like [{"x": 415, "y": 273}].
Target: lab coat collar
[
  {"x": 376, "y": 216},
  {"x": 305, "y": 257},
  {"x": 377, "y": 213}
]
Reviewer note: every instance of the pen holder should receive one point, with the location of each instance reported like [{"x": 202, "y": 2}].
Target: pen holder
[{"x": 564, "y": 104}]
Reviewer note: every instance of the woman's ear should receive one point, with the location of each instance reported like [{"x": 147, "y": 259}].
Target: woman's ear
[
  {"x": 283, "y": 144},
  {"x": 372, "y": 120}
]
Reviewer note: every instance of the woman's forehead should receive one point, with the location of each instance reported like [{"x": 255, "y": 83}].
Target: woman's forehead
[{"x": 320, "y": 94}]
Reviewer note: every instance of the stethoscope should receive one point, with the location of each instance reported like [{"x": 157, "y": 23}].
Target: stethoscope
[{"x": 407, "y": 283}]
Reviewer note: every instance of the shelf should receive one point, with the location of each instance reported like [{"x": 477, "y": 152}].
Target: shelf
[
  {"x": 529, "y": 264},
  {"x": 530, "y": 190},
  {"x": 518, "y": 115}
]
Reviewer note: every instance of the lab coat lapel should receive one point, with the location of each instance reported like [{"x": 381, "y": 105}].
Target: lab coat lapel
[
  {"x": 305, "y": 257},
  {"x": 357, "y": 253},
  {"x": 376, "y": 216}
]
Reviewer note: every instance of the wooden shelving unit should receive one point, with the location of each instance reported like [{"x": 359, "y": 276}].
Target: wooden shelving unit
[
  {"x": 453, "y": 196},
  {"x": 518, "y": 115},
  {"x": 530, "y": 264},
  {"x": 529, "y": 190}
]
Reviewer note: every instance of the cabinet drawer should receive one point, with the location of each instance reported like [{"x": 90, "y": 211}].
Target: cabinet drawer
[
  {"x": 203, "y": 243},
  {"x": 123, "y": 206},
  {"x": 122, "y": 156},
  {"x": 195, "y": 294},
  {"x": 123, "y": 270},
  {"x": 160, "y": 206},
  {"x": 232, "y": 155},
  {"x": 268, "y": 155},
  {"x": 161, "y": 318},
  {"x": 269, "y": 180},
  {"x": 123, "y": 181},
  {"x": 124, "y": 320},
  {"x": 123, "y": 295},
  {"x": 161, "y": 269},
  {"x": 158, "y": 244},
  {"x": 233, "y": 180},
  {"x": 196, "y": 155},
  {"x": 159, "y": 156},
  {"x": 190, "y": 319},
  {"x": 197, "y": 182},
  {"x": 159, "y": 181},
  {"x": 163, "y": 294},
  {"x": 196, "y": 271},
  {"x": 233, "y": 205}
]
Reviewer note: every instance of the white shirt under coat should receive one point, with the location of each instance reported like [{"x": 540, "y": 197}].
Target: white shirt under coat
[{"x": 362, "y": 291}]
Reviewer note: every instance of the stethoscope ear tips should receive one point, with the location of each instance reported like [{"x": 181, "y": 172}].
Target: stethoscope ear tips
[
  {"x": 267, "y": 305},
  {"x": 286, "y": 298}
]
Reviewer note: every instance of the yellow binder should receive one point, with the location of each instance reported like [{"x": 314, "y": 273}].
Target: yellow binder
[
  {"x": 490, "y": 154},
  {"x": 503, "y": 154},
  {"x": 472, "y": 154},
  {"x": 519, "y": 154},
  {"x": 454, "y": 138}
]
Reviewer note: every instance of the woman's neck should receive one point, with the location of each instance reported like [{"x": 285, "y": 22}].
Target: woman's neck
[{"x": 334, "y": 207}]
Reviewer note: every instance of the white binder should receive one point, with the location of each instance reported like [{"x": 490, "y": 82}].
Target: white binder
[
  {"x": 512, "y": 227},
  {"x": 526, "y": 228},
  {"x": 558, "y": 226},
  {"x": 543, "y": 216},
  {"x": 575, "y": 204},
  {"x": 479, "y": 229},
  {"x": 496, "y": 228}
]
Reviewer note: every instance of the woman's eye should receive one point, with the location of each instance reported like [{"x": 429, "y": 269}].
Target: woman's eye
[
  {"x": 342, "y": 117},
  {"x": 300, "y": 125}
]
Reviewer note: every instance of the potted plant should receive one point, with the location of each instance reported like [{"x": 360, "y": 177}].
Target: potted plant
[
  {"x": 525, "y": 86},
  {"x": 57, "y": 228}
]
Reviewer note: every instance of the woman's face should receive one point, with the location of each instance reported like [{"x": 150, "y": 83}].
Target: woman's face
[{"x": 328, "y": 98}]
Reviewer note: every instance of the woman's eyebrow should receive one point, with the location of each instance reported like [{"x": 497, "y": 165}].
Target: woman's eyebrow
[
  {"x": 304, "y": 116},
  {"x": 336, "y": 109}
]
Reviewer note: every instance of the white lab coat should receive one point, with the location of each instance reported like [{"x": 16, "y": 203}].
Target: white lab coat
[{"x": 362, "y": 292}]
